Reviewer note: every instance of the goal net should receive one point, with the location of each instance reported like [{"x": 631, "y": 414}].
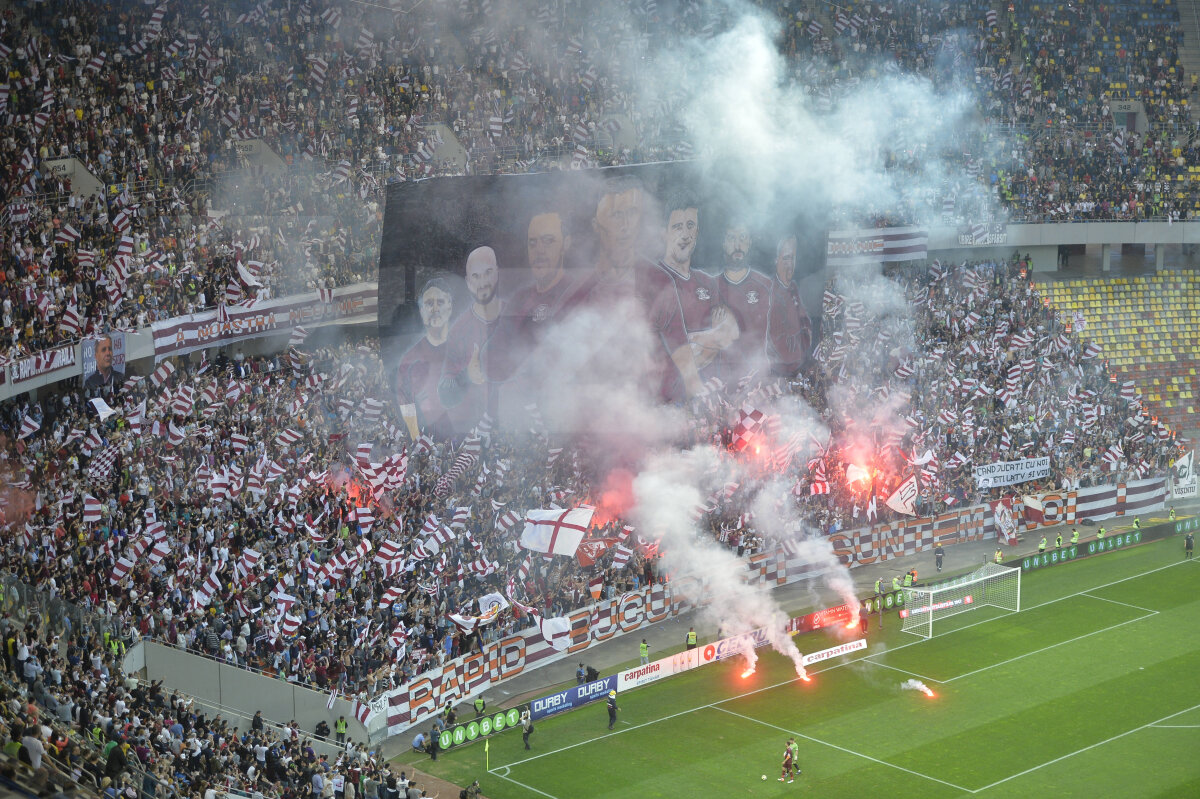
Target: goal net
[{"x": 992, "y": 585}]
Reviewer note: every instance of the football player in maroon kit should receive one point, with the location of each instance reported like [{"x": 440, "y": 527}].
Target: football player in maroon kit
[
  {"x": 789, "y": 330},
  {"x": 420, "y": 368},
  {"x": 463, "y": 388},
  {"x": 621, "y": 275},
  {"x": 529, "y": 312},
  {"x": 710, "y": 327},
  {"x": 747, "y": 295}
]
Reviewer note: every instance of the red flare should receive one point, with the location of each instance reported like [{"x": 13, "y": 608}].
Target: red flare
[
  {"x": 747, "y": 672},
  {"x": 928, "y": 693}
]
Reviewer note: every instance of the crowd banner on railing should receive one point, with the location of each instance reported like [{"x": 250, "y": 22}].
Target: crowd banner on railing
[
  {"x": 1006, "y": 473},
  {"x": 45, "y": 362},
  {"x": 1100, "y": 502},
  {"x": 219, "y": 327},
  {"x": 1183, "y": 477},
  {"x": 876, "y": 245}
]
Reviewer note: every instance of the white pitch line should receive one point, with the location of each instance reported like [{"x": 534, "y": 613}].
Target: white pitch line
[
  {"x": 523, "y": 785},
  {"x": 1086, "y": 748},
  {"x": 902, "y": 671},
  {"x": 1053, "y": 646},
  {"x": 844, "y": 749},
  {"x": 1176, "y": 726},
  {"x": 1115, "y": 602}
]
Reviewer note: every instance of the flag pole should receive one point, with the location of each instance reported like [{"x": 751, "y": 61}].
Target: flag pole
[{"x": 487, "y": 755}]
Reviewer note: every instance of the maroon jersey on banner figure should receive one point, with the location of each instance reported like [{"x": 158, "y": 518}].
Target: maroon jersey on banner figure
[
  {"x": 464, "y": 386},
  {"x": 420, "y": 368},
  {"x": 747, "y": 295},
  {"x": 789, "y": 330}
]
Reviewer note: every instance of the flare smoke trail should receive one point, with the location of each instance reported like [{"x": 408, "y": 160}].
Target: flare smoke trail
[
  {"x": 664, "y": 493},
  {"x": 916, "y": 685}
]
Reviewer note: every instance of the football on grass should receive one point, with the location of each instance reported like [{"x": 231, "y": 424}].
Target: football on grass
[{"x": 764, "y": 776}]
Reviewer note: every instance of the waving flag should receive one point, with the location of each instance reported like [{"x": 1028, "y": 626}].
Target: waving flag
[
  {"x": 556, "y": 531},
  {"x": 29, "y": 426},
  {"x": 91, "y": 508},
  {"x": 903, "y": 500}
]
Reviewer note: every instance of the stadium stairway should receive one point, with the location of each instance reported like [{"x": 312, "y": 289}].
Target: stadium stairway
[
  {"x": 1149, "y": 330},
  {"x": 1189, "y": 49}
]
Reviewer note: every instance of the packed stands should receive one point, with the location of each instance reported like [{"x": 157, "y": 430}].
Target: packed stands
[{"x": 196, "y": 514}]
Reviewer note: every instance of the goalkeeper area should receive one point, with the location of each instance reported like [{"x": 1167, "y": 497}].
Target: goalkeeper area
[
  {"x": 1090, "y": 690},
  {"x": 925, "y": 608}
]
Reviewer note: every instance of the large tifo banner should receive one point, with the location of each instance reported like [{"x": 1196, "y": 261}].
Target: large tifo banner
[
  {"x": 185, "y": 334},
  {"x": 1007, "y": 473},
  {"x": 465, "y": 677},
  {"x": 486, "y": 272}
]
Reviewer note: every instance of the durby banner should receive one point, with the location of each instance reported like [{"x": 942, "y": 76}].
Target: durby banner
[
  {"x": 576, "y": 696},
  {"x": 1007, "y": 473}
]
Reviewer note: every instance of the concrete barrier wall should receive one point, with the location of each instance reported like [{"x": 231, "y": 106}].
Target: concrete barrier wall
[{"x": 245, "y": 691}]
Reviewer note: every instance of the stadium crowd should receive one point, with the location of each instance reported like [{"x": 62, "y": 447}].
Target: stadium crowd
[{"x": 198, "y": 515}]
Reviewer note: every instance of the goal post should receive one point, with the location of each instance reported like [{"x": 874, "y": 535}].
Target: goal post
[{"x": 991, "y": 585}]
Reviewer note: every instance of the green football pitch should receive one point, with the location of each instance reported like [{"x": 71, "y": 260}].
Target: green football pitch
[{"x": 1093, "y": 689}]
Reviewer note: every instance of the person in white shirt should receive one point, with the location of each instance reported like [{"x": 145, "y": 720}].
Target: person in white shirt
[{"x": 33, "y": 745}]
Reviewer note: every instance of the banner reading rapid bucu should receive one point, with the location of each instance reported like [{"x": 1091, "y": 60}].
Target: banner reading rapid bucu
[
  {"x": 185, "y": 334},
  {"x": 1006, "y": 473}
]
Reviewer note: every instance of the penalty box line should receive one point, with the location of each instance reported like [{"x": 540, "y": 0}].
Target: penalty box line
[
  {"x": 843, "y": 749},
  {"x": 1117, "y": 737},
  {"x": 1054, "y": 646}
]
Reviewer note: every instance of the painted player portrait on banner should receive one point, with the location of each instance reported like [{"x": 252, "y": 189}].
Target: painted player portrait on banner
[
  {"x": 103, "y": 361},
  {"x": 483, "y": 274}
]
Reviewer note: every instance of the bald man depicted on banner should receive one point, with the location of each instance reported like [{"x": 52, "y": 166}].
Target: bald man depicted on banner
[{"x": 464, "y": 387}]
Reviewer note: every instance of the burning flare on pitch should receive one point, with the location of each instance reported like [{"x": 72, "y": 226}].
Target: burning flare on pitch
[{"x": 917, "y": 685}]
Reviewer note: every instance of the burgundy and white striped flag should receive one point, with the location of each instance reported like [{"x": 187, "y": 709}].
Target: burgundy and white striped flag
[
  {"x": 91, "y": 508},
  {"x": 120, "y": 569},
  {"x": 29, "y": 426},
  {"x": 621, "y": 556},
  {"x": 70, "y": 322},
  {"x": 160, "y": 375},
  {"x": 66, "y": 235},
  {"x": 390, "y": 596}
]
